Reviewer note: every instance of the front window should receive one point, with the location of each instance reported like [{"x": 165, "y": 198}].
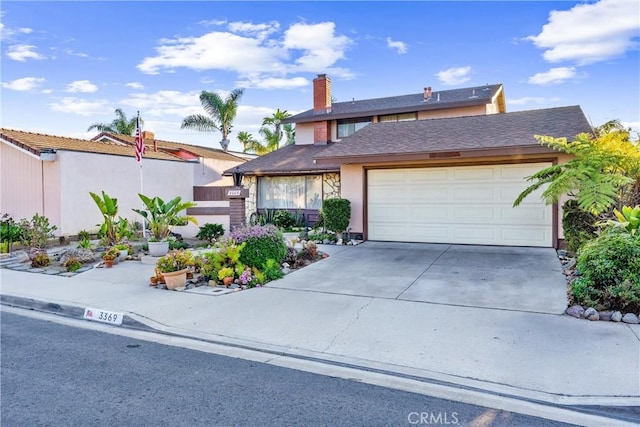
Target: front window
[
  {"x": 404, "y": 117},
  {"x": 348, "y": 127},
  {"x": 290, "y": 192}
]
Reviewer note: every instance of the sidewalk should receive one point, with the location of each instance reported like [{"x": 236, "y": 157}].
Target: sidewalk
[{"x": 544, "y": 357}]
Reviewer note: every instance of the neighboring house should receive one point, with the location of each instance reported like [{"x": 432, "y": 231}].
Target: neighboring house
[
  {"x": 53, "y": 175},
  {"x": 439, "y": 166}
]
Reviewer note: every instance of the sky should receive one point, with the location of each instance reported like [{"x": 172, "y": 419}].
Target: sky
[{"x": 66, "y": 65}]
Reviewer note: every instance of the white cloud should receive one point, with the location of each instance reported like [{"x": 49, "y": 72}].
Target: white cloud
[
  {"x": 273, "y": 83},
  {"x": 254, "y": 49},
  {"x": 590, "y": 32},
  {"x": 22, "y": 52},
  {"x": 81, "y": 106},
  {"x": 532, "y": 100},
  {"x": 7, "y": 33},
  {"x": 83, "y": 86},
  {"x": 165, "y": 103},
  {"x": 553, "y": 76},
  {"x": 321, "y": 47},
  {"x": 24, "y": 84},
  {"x": 454, "y": 76},
  {"x": 135, "y": 85},
  {"x": 635, "y": 127},
  {"x": 400, "y": 47}
]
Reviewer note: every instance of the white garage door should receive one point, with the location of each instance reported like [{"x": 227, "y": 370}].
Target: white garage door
[{"x": 466, "y": 204}]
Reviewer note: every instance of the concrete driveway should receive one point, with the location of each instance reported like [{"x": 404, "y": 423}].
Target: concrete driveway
[{"x": 509, "y": 278}]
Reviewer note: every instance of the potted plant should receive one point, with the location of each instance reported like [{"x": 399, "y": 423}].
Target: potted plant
[
  {"x": 226, "y": 275},
  {"x": 109, "y": 257},
  {"x": 162, "y": 216},
  {"x": 124, "y": 250},
  {"x": 174, "y": 266}
]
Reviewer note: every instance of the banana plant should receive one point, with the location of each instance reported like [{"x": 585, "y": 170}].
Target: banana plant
[
  {"x": 162, "y": 216},
  {"x": 629, "y": 219},
  {"x": 109, "y": 209}
]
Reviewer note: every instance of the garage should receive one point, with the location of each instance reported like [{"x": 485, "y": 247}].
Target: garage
[{"x": 457, "y": 204}]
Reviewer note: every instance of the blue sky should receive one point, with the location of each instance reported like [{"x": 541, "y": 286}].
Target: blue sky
[{"x": 66, "y": 65}]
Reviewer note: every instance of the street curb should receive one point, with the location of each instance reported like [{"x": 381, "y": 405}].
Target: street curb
[{"x": 76, "y": 312}]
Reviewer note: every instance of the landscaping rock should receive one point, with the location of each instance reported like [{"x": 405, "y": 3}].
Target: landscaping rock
[
  {"x": 562, "y": 253},
  {"x": 85, "y": 256},
  {"x": 616, "y": 316},
  {"x": 339, "y": 242},
  {"x": 575, "y": 311},
  {"x": 630, "y": 318},
  {"x": 354, "y": 242},
  {"x": 20, "y": 256},
  {"x": 286, "y": 270},
  {"x": 591, "y": 314},
  {"x": 605, "y": 315},
  {"x": 570, "y": 264},
  {"x": 179, "y": 288}
]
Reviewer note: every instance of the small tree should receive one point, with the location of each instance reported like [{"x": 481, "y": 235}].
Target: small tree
[
  {"x": 336, "y": 214},
  {"x": 604, "y": 172}
]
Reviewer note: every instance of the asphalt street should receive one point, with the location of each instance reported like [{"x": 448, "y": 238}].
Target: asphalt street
[{"x": 54, "y": 374}]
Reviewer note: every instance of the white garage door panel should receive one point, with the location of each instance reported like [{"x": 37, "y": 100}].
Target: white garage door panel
[{"x": 467, "y": 204}]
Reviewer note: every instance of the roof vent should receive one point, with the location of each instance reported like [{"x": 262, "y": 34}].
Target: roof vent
[
  {"x": 427, "y": 93},
  {"x": 473, "y": 94}
]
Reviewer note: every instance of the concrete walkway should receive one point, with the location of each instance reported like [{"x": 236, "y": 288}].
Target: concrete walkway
[{"x": 422, "y": 323}]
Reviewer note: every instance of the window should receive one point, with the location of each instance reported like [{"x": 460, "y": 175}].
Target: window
[
  {"x": 404, "y": 117},
  {"x": 348, "y": 127},
  {"x": 290, "y": 192}
]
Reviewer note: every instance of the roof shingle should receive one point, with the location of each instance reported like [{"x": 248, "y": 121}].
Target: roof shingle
[
  {"x": 36, "y": 142},
  {"x": 492, "y": 131},
  {"x": 286, "y": 160},
  {"x": 479, "y": 95}
]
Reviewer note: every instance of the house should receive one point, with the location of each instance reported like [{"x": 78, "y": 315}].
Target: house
[
  {"x": 53, "y": 175},
  {"x": 436, "y": 166}
]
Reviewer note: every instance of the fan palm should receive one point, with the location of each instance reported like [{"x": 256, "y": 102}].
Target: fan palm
[
  {"x": 120, "y": 125},
  {"x": 249, "y": 143},
  {"x": 221, "y": 113}
]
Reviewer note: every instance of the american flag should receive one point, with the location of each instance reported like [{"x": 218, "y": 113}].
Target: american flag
[{"x": 140, "y": 148}]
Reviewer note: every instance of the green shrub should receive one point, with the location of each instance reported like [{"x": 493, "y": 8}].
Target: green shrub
[
  {"x": 210, "y": 232},
  {"x": 610, "y": 272},
  {"x": 72, "y": 264},
  {"x": 84, "y": 235},
  {"x": 36, "y": 232},
  {"x": 336, "y": 214},
  {"x": 271, "y": 270},
  {"x": 40, "y": 259},
  {"x": 261, "y": 244},
  {"x": 9, "y": 232},
  {"x": 284, "y": 219},
  {"x": 321, "y": 237},
  {"x": 578, "y": 225},
  {"x": 177, "y": 244}
]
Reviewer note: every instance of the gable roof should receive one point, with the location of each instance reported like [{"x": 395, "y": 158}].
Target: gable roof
[
  {"x": 170, "y": 146},
  {"x": 36, "y": 143},
  {"x": 464, "y": 97},
  {"x": 507, "y": 133},
  {"x": 298, "y": 159}
]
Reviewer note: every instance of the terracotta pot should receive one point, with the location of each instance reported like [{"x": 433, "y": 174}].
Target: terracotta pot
[
  {"x": 108, "y": 263},
  {"x": 227, "y": 281},
  {"x": 189, "y": 275},
  {"x": 153, "y": 280},
  {"x": 175, "y": 279}
]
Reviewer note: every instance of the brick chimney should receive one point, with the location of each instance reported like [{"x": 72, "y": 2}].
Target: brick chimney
[
  {"x": 427, "y": 93},
  {"x": 321, "y": 94}
]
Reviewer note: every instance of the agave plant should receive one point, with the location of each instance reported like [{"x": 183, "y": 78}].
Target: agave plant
[{"x": 162, "y": 216}]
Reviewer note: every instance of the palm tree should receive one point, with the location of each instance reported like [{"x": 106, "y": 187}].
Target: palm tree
[
  {"x": 249, "y": 143},
  {"x": 289, "y": 133},
  {"x": 120, "y": 125},
  {"x": 276, "y": 121},
  {"x": 221, "y": 113}
]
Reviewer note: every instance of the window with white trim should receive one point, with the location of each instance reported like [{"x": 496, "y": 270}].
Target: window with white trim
[{"x": 290, "y": 192}]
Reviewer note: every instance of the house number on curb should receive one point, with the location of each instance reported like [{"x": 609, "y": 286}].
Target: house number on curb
[{"x": 103, "y": 316}]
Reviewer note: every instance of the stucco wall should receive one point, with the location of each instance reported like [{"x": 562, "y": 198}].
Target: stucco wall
[
  {"x": 22, "y": 178},
  {"x": 351, "y": 188},
  {"x": 452, "y": 112},
  {"x": 209, "y": 172},
  {"x": 304, "y": 133},
  {"x": 119, "y": 177}
]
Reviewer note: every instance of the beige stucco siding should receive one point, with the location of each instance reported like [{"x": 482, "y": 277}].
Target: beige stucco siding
[
  {"x": 352, "y": 188},
  {"x": 23, "y": 175},
  {"x": 209, "y": 172},
  {"x": 119, "y": 177},
  {"x": 304, "y": 133}
]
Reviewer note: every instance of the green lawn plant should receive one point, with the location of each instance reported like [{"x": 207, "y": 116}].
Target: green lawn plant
[
  {"x": 210, "y": 232},
  {"x": 609, "y": 268},
  {"x": 175, "y": 260},
  {"x": 261, "y": 244},
  {"x": 108, "y": 207},
  {"x": 10, "y": 232},
  {"x": 627, "y": 219},
  {"x": 579, "y": 226},
  {"x": 36, "y": 232},
  {"x": 336, "y": 214},
  {"x": 162, "y": 216}
]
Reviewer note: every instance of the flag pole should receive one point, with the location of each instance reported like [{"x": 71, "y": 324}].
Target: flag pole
[{"x": 138, "y": 144}]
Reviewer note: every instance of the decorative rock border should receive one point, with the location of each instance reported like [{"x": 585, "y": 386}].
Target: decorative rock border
[{"x": 591, "y": 313}]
